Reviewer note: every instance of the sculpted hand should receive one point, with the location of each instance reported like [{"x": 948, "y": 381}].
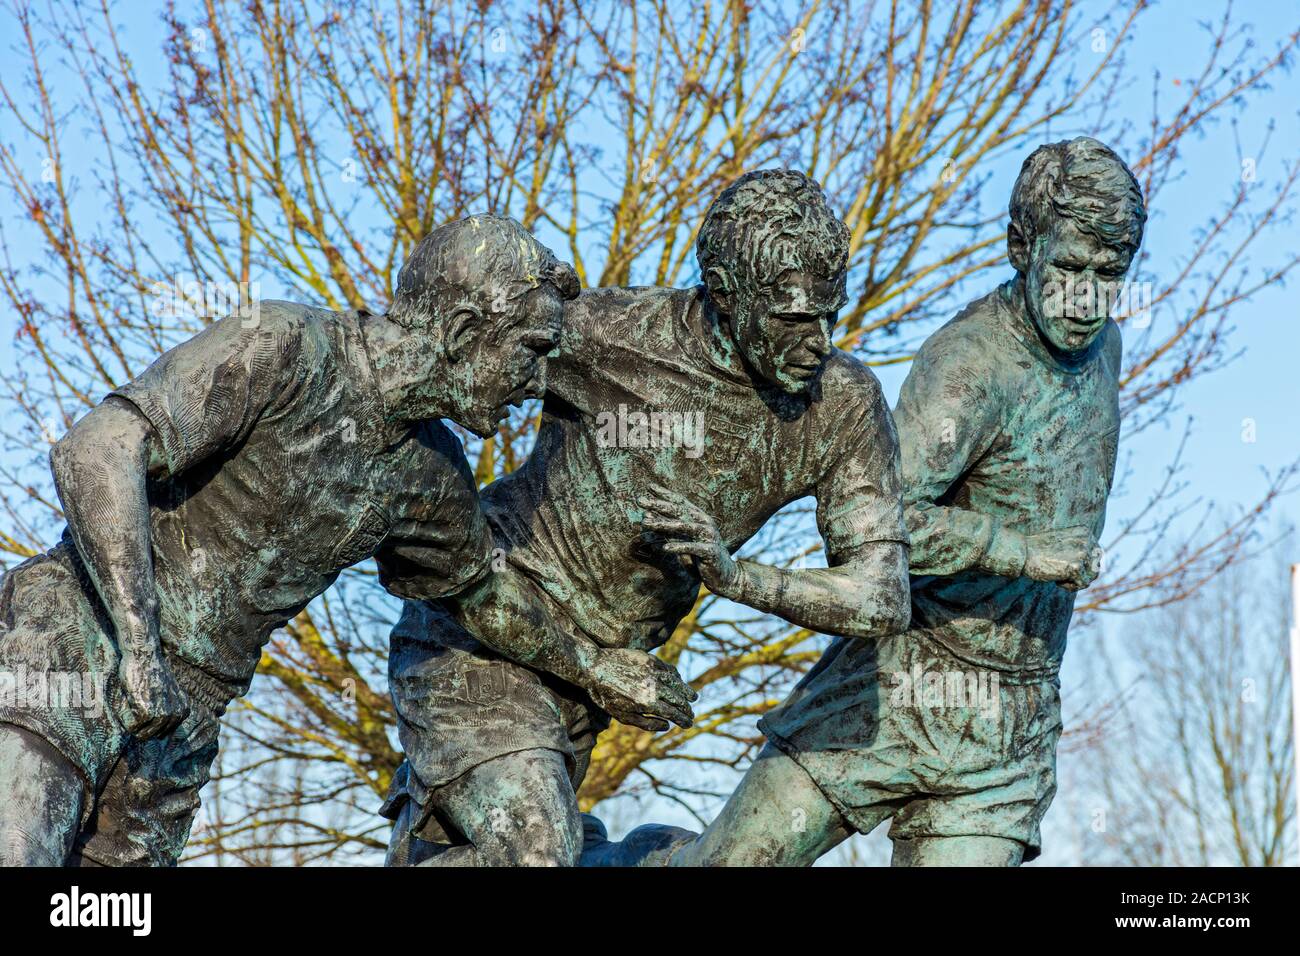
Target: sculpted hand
[
  {"x": 639, "y": 689},
  {"x": 1069, "y": 557},
  {"x": 693, "y": 536},
  {"x": 156, "y": 702}
]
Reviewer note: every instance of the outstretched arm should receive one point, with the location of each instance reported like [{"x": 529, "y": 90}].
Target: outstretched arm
[
  {"x": 949, "y": 416},
  {"x": 865, "y": 595},
  {"x": 100, "y": 469},
  {"x": 503, "y": 612},
  {"x": 502, "y": 609}
]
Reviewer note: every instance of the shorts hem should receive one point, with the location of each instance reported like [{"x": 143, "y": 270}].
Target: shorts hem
[
  {"x": 87, "y": 786},
  {"x": 852, "y": 814},
  {"x": 849, "y": 814}
]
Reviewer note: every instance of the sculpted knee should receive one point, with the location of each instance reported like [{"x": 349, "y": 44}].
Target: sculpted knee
[{"x": 551, "y": 840}]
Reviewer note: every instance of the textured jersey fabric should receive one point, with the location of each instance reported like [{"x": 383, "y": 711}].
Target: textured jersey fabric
[
  {"x": 997, "y": 434},
  {"x": 568, "y": 516},
  {"x": 282, "y": 472}
]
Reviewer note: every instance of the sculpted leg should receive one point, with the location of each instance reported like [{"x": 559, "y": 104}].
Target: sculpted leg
[
  {"x": 958, "y": 851},
  {"x": 41, "y": 797},
  {"x": 776, "y": 817},
  {"x": 515, "y": 810}
]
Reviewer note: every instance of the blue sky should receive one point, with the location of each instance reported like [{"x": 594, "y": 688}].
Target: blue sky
[{"x": 1263, "y": 383}]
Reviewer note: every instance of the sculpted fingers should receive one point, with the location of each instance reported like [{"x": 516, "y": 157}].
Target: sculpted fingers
[
  {"x": 694, "y": 549},
  {"x": 672, "y": 685},
  {"x": 681, "y": 716},
  {"x": 675, "y": 703},
  {"x": 673, "y": 527},
  {"x": 1088, "y": 569},
  {"x": 1095, "y": 558},
  {"x": 678, "y": 503},
  {"x": 652, "y": 724}
]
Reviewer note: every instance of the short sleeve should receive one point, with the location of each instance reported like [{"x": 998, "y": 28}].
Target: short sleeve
[
  {"x": 859, "y": 498},
  {"x": 207, "y": 393},
  {"x": 444, "y": 545},
  {"x": 566, "y": 376}
]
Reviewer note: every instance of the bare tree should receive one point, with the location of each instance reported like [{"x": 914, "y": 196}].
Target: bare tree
[
  {"x": 1198, "y": 768},
  {"x": 303, "y": 147}
]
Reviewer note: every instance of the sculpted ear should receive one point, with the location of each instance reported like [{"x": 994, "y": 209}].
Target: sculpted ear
[
  {"x": 1017, "y": 248},
  {"x": 718, "y": 282},
  {"x": 459, "y": 335}
]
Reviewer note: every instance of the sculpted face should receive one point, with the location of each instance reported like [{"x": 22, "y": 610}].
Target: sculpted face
[
  {"x": 1072, "y": 280},
  {"x": 785, "y": 332},
  {"x": 501, "y": 357}
]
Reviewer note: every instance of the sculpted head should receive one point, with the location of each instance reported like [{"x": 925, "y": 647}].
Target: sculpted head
[
  {"x": 486, "y": 299},
  {"x": 1077, "y": 216},
  {"x": 773, "y": 256}
]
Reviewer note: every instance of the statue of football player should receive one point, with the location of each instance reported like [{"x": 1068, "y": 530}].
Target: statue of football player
[
  {"x": 676, "y": 423},
  {"x": 1008, "y": 424},
  {"x": 212, "y": 498}
]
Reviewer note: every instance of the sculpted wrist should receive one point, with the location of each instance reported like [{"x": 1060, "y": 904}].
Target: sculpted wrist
[
  {"x": 137, "y": 638},
  {"x": 1007, "y": 554},
  {"x": 585, "y": 656},
  {"x": 736, "y": 589}
]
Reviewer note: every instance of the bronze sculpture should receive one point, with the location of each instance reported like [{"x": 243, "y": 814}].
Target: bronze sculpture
[
  {"x": 1008, "y": 423},
  {"x": 185, "y": 547},
  {"x": 618, "y": 535}
]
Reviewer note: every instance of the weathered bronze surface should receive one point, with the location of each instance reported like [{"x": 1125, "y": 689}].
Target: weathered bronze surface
[
  {"x": 1008, "y": 423},
  {"x": 186, "y": 546},
  {"x": 676, "y": 423}
]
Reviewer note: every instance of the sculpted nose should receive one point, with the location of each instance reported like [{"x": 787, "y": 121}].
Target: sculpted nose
[{"x": 820, "y": 345}]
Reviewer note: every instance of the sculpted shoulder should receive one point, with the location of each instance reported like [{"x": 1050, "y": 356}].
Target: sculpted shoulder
[
  {"x": 849, "y": 382},
  {"x": 617, "y": 314},
  {"x": 276, "y": 315},
  {"x": 971, "y": 362},
  {"x": 977, "y": 335}
]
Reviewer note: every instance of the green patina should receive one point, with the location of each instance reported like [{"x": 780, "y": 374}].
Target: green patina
[
  {"x": 1008, "y": 424},
  {"x": 617, "y": 536}
]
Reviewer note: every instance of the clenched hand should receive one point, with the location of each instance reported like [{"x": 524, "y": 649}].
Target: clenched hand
[
  {"x": 639, "y": 689},
  {"x": 693, "y": 536},
  {"x": 1069, "y": 557},
  {"x": 156, "y": 703}
]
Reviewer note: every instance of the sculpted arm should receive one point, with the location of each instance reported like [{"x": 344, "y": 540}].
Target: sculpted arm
[
  {"x": 447, "y": 556},
  {"x": 195, "y": 401},
  {"x": 864, "y": 597},
  {"x": 949, "y": 416},
  {"x": 864, "y": 591},
  {"x": 100, "y": 471},
  {"x": 502, "y": 611}
]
